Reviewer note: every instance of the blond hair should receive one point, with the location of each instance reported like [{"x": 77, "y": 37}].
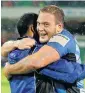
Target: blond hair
[{"x": 56, "y": 11}]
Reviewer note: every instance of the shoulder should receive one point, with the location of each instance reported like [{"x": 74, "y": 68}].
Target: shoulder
[
  {"x": 15, "y": 53},
  {"x": 61, "y": 39}
]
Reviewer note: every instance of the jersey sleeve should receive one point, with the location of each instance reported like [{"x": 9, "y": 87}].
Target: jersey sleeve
[{"x": 60, "y": 43}]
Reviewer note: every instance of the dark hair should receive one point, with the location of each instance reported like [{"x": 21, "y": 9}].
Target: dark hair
[{"x": 25, "y": 21}]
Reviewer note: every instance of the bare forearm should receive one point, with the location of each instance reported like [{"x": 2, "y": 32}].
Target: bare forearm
[
  {"x": 21, "y": 67},
  {"x": 18, "y": 68},
  {"x": 34, "y": 61}
]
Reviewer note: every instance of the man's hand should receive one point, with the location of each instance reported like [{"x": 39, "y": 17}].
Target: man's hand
[
  {"x": 6, "y": 71},
  {"x": 25, "y": 43},
  {"x": 7, "y": 47}
]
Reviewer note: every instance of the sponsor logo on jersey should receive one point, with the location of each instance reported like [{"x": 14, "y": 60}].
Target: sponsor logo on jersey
[{"x": 61, "y": 39}]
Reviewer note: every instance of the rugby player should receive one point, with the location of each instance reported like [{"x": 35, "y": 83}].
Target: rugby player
[
  {"x": 24, "y": 83},
  {"x": 53, "y": 32},
  {"x": 25, "y": 28}
]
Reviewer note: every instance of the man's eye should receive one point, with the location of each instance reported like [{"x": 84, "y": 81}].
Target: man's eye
[
  {"x": 46, "y": 25},
  {"x": 38, "y": 23}
]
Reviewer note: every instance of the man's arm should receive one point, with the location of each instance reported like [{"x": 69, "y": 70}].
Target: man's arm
[
  {"x": 46, "y": 55},
  {"x": 49, "y": 53},
  {"x": 20, "y": 44}
]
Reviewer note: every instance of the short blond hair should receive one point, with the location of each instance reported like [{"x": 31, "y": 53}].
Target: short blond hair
[{"x": 56, "y": 11}]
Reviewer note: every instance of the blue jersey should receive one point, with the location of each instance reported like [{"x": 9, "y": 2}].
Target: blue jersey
[
  {"x": 57, "y": 71},
  {"x": 24, "y": 83},
  {"x": 30, "y": 86},
  {"x": 21, "y": 83},
  {"x": 61, "y": 71},
  {"x": 65, "y": 43}
]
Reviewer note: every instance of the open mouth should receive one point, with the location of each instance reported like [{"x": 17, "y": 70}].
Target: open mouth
[{"x": 43, "y": 34}]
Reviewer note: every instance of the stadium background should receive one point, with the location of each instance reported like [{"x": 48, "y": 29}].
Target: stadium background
[{"x": 12, "y": 10}]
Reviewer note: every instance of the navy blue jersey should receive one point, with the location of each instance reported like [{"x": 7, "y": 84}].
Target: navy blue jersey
[
  {"x": 24, "y": 83},
  {"x": 65, "y": 43},
  {"x": 65, "y": 71},
  {"x": 21, "y": 83}
]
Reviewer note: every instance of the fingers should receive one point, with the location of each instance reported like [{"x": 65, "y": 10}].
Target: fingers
[
  {"x": 24, "y": 47},
  {"x": 5, "y": 71},
  {"x": 26, "y": 43}
]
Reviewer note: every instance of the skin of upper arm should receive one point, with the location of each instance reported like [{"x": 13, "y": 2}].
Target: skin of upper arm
[{"x": 45, "y": 56}]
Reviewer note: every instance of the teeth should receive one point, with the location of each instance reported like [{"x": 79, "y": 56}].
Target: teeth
[{"x": 42, "y": 34}]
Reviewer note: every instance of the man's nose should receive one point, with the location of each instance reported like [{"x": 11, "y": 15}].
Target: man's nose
[{"x": 40, "y": 27}]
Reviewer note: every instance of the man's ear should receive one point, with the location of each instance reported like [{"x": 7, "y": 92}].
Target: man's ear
[
  {"x": 31, "y": 27},
  {"x": 30, "y": 31},
  {"x": 59, "y": 27}
]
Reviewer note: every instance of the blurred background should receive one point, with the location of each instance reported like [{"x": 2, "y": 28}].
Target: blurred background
[{"x": 11, "y": 11}]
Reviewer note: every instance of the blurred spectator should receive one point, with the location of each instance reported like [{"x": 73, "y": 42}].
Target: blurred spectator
[
  {"x": 8, "y": 30},
  {"x": 82, "y": 28},
  {"x": 7, "y": 3},
  {"x": 39, "y": 3},
  {"x": 72, "y": 26},
  {"x": 4, "y": 36},
  {"x": 36, "y": 3}
]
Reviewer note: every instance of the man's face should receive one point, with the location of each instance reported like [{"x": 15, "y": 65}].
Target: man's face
[{"x": 46, "y": 26}]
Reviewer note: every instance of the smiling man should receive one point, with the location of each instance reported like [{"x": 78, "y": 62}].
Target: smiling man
[{"x": 60, "y": 42}]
